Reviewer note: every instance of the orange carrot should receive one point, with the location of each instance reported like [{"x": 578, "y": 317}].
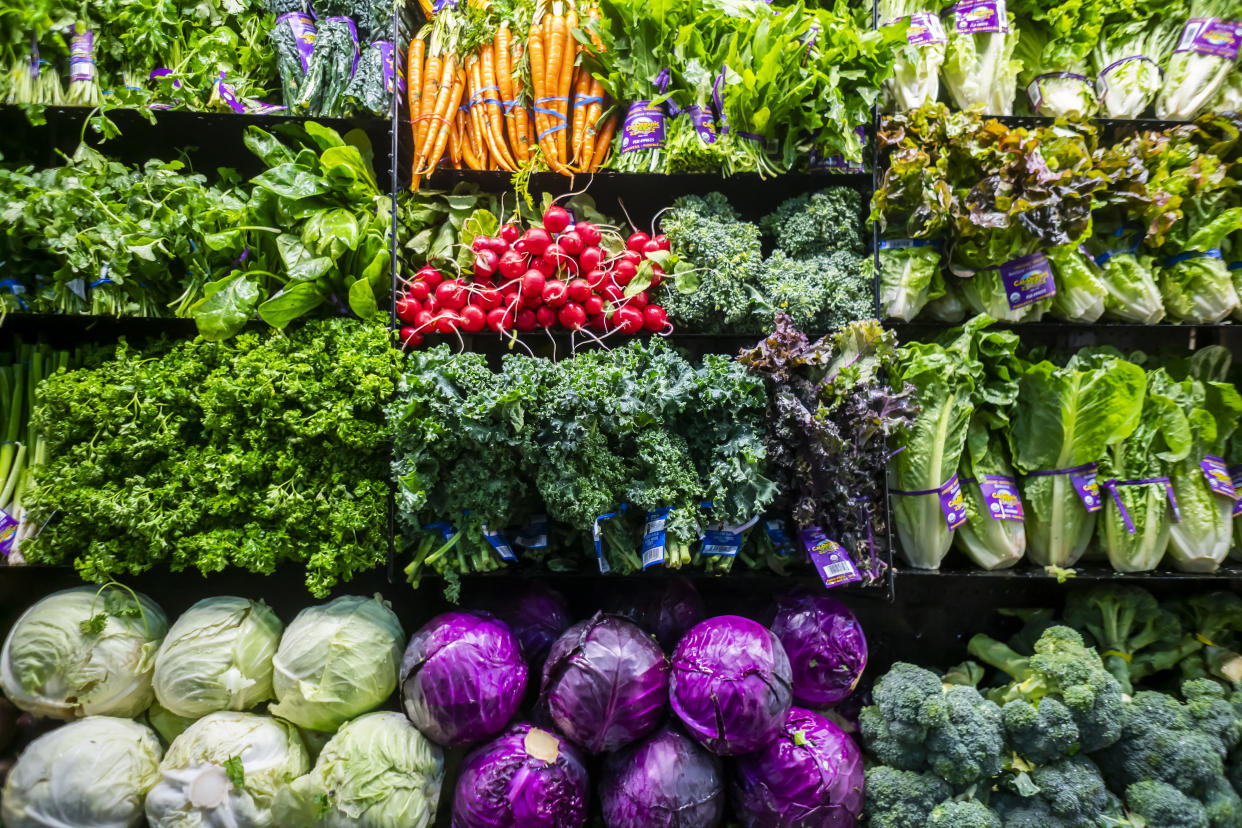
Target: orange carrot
[
  {"x": 522, "y": 140},
  {"x": 595, "y": 92},
  {"x": 473, "y": 85},
  {"x": 470, "y": 145},
  {"x": 602, "y": 143},
  {"x": 453, "y": 99},
  {"x": 565, "y": 74},
  {"x": 555, "y": 57},
  {"x": 537, "y": 66},
  {"x": 508, "y": 100},
  {"x": 415, "y": 58},
  {"x": 454, "y": 143},
  {"x": 582, "y": 89},
  {"x": 493, "y": 126},
  {"x": 437, "y": 133},
  {"x": 433, "y": 76}
]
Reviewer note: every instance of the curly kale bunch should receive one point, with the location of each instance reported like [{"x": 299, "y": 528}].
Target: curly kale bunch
[
  {"x": 248, "y": 453},
  {"x": 820, "y": 292},
  {"x": 822, "y": 222}
]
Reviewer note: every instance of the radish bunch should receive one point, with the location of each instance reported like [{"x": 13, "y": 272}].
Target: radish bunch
[{"x": 554, "y": 275}]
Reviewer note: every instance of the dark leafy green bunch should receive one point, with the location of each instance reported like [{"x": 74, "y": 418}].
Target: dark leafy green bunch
[{"x": 263, "y": 450}]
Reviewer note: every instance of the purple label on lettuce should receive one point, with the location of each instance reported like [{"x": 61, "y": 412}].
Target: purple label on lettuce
[
  {"x": 979, "y": 16},
  {"x": 830, "y": 558},
  {"x": 1235, "y": 474},
  {"x": 82, "y": 57},
  {"x": 303, "y": 29},
  {"x": 718, "y": 100},
  {"x": 229, "y": 95},
  {"x": 8, "y": 532},
  {"x": 1218, "y": 477},
  {"x": 835, "y": 163},
  {"x": 1088, "y": 489},
  {"x": 1027, "y": 280},
  {"x": 925, "y": 29},
  {"x": 1000, "y": 495},
  {"x": 1211, "y": 36},
  {"x": 644, "y": 127},
  {"x": 703, "y": 123},
  {"x": 952, "y": 504}
]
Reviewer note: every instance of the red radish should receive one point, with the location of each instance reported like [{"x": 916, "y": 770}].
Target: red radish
[
  {"x": 572, "y": 316},
  {"x": 613, "y": 293},
  {"x": 652, "y": 246},
  {"x": 624, "y": 274},
  {"x": 556, "y": 219},
  {"x": 407, "y": 308},
  {"x": 657, "y": 275},
  {"x": 571, "y": 243},
  {"x": 487, "y": 298},
  {"x": 535, "y": 241},
  {"x": 429, "y": 273},
  {"x": 662, "y": 241},
  {"x": 411, "y": 337},
  {"x": 510, "y": 233},
  {"x": 419, "y": 291},
  {"x": 533, "y": 300},
  {"x": 486, "y": 262},
  {"x": 526, "y": 320},
  {"x": 498, "y": 319},
  {"x": 423, "y": 320},
  {"x": 447, "y": 322},
  {"x": 589, "y": 232},
  {"x": 512, "y": 264},
  {"x": 634, "y": 258},
  {"x": 594, "y": 305},
  {"x": 597, "y": 322},
  {"x": 655, "y": 319},
  {"x": 481, "y": 243},
  {"x": 556, "y": 254},
  {"x": 473, "y": 318},
  {"x": 544, "y": 265},
  {"x": 555, "y": 293},
  {"x": 545, "y": 317},
  {"x": 638, "y": 300},
  {"x": 579, "y": 290},
  {"x": 497, "y": 245},
  {"x": 629, "y": 320},
  {"x": 532, "y": 283},
  {"x": 451, "y": 295},
  {"x": 590, "y": 257},
  {"x": 431, "y": 305},
  {"x": 595, "y": 278},
  {"x": 636, "y": 241}
]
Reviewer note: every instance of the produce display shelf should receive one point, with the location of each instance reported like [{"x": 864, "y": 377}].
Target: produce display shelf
[{"x": 1230, "y": 571}]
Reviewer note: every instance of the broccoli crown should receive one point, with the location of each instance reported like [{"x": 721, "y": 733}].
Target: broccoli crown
[
  {"x": 967, "y": 747},
  {"x": 878, "y": 736},
  {"x": 818, "y": 223},
  {"x": 1016, "y": 812},
  {"x": 1121, "y": 621},
  {"x": 1164, "y": 805},
  {"x": 900, "y": 798},
  {"x": 1040, "y": 733},
  {"x": 1223, "y": 805},
  {"x": 967, "y": 814},
  {"x": 1074, "y": 790},
  {"x": 1215, "y": 712}
]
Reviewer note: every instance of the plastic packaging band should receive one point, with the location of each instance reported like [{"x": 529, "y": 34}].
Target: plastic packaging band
[
  {"x": 1213, "y": 253},
  {"x": 586, "y": 100},
  {"x": 1112, "y": 486},
  {"x": 1050, "y": 472},
  {"x": 903, "y": 244}
]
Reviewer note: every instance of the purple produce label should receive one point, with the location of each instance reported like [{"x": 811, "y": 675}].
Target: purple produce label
[
  {"x": 837, "y": 162},
  {"x": 1211, "y": 36},
  {"x": 653, "y": 537},
  {"x": 830, "y": 559},
  {"x": 718, "y": 100},
  {"x": 389, "y": 65},
  {"x": 978, "y": 16},
  {"x": 703, "y": 123},
  {"x": 82, "y": 57},
  {"x": 1235, "y": 474},
  {"x": 1087, "y": 487},
  {"x": 353, "y": 38},
  {"x": 498, "y": 542},
  {"x": 229, "y": 95},
  {"x": 1218, "y": 478},
  {"x": 925, "y": 29},
  {"x": 1027, "y": 280},
  {"x": 1000, "y": 493},
  {"x": 952, "y": 503},
  {"x": 8, "y": 532},
  {"x": 303, "y": 29},
  {"x": 644, "y": 127}
]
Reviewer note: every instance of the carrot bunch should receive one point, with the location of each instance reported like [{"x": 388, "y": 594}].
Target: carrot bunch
[{"x": 486, "y": 98}]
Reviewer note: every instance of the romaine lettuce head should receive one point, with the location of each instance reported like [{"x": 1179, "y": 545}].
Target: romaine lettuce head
[
  {"x": 336, "y": 660},
  {"x": 666, "y": 612},
  {"x": 909, "y": 278},
  {"x": 225, "y": 770},
  {"x": 1197, "y": 291},
  {"x": 663, "y": 781},
  {"x": 605, "y": 683},
  {"x": 989, "y": 542},
  {"x": 1191, "y": 80},
  {"x": 462, "y": 677},
  {"x": 1133, "y": 295},
  {"x": 84, "y": 651},
  {"x": 92, "y": 773},
  {"x": 810, "y": 774},
  {"x": 1081, "y": 294},
  {"x": 537, "y": 617},
  {"x": 217, "y": 656},
  {"x": 826, "y": 647},
  {"x": 980, "y": 70},
  {"x": 378, "y": 771},
  {"x": 1127, "y": 61},
  {"x": 731, "y": 684},
  {"x": 526, "y": 778}
]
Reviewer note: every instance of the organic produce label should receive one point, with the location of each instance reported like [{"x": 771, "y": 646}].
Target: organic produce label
[
  {"x": 1027, "y": 280},
  {"x": 952, "y": 503},
  {"x": 979, "y": 16},
  {"x": 830, "y": 559},
  {"x": 8, "y": 532},
  {"x": 498, "y": 542},
  {"x": 534, "y": 535},
  {"x": 778, "y": 536},
  {"x": 229, "y": 95},
  {"x": 703, "y": 123},
  {"x": 925, "y": 28},
  {"x": 1218, "y": 478},
  {"x": 1211, "y": 36},
  {"x": 1235, "y": 474},
  {"x": 644, "y": 127},
  {"x": 303, "y": 28},
  {"x": 1088, "y": 489},
  {"x": 1000, "y": 493},
  {"x": 389, "y": 66},
  {"x": 653, "y": 537},
  {"x": 82, "y": 57}
]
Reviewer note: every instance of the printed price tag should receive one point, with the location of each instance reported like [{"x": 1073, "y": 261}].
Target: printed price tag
[
  {"x": 1000, "y": 494},
  {"x": 1235, "y": 474},
  {"x": 952, "y": 503},
  {"x": 1027, "y": 280},
  {"x": 830, "y": 558},
  {"x": 604, "y": 568},
  {"x": 498, "y": 542},
  {"x": 721, "y": 542},
  {"x": 8, "y": 532},
  {"x": 1211, "y": 36},
  {"x": 644, "y": 127},
  {"x": 82, "y": 57},
  {"x": 979, "y": 16},
  {"x": 534, "y": 535},
  {"x": 1218, "y": 478},
  {"x": 1087, "y": 487},
  {"x": 653, "y": 537}
]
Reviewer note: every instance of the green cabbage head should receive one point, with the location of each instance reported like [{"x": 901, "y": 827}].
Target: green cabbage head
[
  {"x": 92, "y": 773},
  {"x": 217, "y": 656}
]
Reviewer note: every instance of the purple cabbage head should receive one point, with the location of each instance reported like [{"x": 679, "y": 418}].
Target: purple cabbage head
[
  {"x": 462, "y": 677},
  {"x": 664, "y": 781},
  {"x": 537, "y": 617},
  {"x": 605, "y": 683},
  {"x": 666, "y": 613},
  {"x": 526, "y": 778},
  {"x": 811, "y": 774},
  {"x": 825, "y": 644},
  {"x": 730, "y": 684}
]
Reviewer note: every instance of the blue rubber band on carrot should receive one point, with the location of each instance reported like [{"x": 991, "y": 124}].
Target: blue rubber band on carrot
[{"x": 587, "y": 101}]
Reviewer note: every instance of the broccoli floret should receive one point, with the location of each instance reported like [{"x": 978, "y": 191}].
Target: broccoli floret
[
  {"x": 1074, "y": 791},
  {"x": 901, "y": 798},
  {"x": 968, "y": 814},
  {"x": 1016, "y": 812},
  {"x": 1164, "y": 805},
  {"x": 1215, "y": 712},
  {"x": 1040, "y": 734},
  {"x": 713, "y": 205},
  {"x": 818, "y": 223},
  {"x": 1224, "y": 806},
  {"x": 1121, "y": 621},
  {"x": 1065, "y": 669},
  {"x": 969, "y": 746}
]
